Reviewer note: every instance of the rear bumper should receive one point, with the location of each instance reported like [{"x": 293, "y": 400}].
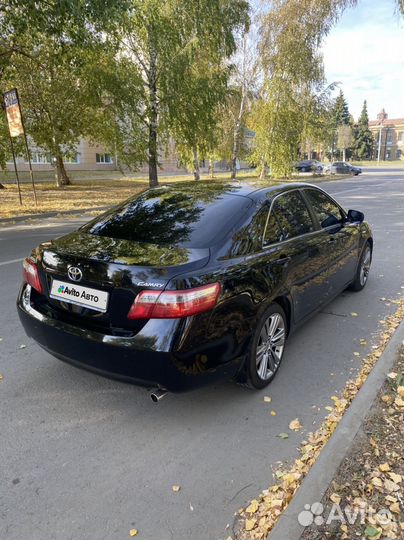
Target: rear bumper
[{"x": 130, "y": 359}]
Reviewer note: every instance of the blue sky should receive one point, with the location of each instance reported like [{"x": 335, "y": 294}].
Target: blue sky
[{"x": 365, "y": 53}]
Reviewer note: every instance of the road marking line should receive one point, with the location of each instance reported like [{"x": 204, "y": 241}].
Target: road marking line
[{"x": 10, "y": 262}]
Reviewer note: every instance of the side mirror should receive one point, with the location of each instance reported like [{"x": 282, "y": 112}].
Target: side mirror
[{"x": 354, "y": 216}]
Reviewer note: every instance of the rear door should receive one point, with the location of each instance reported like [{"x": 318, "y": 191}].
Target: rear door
[
  {"x": 303, "y": 251},
  {"x": 342, "y": 238}
]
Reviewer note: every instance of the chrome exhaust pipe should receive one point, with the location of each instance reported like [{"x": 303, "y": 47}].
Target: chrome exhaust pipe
[{"x": 157, "y": 394}]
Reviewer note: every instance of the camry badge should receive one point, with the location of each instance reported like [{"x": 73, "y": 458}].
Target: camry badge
[{"x": 74, "y": 273}]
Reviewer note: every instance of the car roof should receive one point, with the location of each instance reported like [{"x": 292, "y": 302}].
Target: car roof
[{"x": 253, "y": 190}]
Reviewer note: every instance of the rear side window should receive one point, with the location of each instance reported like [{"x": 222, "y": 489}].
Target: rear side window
[
  {"x": 198, "y": 219},
  {"x": 273, "y": 231},
  {"x": 293, "y": 215},
  {"x": 327, "y": 211}
]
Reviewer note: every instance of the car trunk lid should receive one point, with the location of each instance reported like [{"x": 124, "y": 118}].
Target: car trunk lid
[{"x": 122, "y": 268}]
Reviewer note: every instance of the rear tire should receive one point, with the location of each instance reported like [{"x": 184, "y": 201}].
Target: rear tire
[
  {"x": 266, "y": 349},
  {"x": 362, "y": 272}
]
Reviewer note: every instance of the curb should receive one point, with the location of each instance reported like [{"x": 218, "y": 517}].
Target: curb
[
  {"x": 27, "y": 217},
  {"x": 323, "y": 471}
]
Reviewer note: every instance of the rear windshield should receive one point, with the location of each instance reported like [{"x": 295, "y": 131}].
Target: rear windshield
[{"x": 197, "y": 219}]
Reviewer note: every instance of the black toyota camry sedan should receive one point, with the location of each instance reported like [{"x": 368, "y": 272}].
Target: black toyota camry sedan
[{"x": 185, "y": 284}]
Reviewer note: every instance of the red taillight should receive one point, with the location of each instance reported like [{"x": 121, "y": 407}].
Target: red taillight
[
  {"x": 174, "y": 304},
  {"x": 30, "y": 274}
]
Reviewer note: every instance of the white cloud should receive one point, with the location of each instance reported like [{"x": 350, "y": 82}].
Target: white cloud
[{"x": 364, "y": 52}]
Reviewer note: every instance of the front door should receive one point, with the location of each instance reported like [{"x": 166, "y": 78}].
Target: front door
[{"x": 342, "y": 239}]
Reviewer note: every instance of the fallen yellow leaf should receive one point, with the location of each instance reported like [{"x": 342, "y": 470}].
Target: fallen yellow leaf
[
  {"x": 176, "y": 488},
  {"x": 133, "y": 532},
  {"x": 295, "y": 425},
  {"x": 395, "y": 477},
  {"x": 400, "y": 391},
  {"x": 253, "y": 507},
  {"x": 390, "y": 486},
  {"x": 395, "y": 507},
  {"x": 273, "y": 413},
  {"x": 377, "y": 482},
  {"x": 267, "y": 399},
  {"x": 399, "y": 401},
  {"x": 392, "y": 375},
  {"x": 250, "y": 524},
  {"x": 353, "y": 314},
  {"x": 335, "y": 498},
  {"x": 384, "y": 467}
]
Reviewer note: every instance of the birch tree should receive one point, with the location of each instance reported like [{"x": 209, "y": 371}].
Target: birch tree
[
  {"x": 159, "y": 37},
  {"x": 244, "y": 81},
  {"x": 290, "y": 37}
]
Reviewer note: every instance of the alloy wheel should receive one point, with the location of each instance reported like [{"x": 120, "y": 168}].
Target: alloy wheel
[
  {"x": 270, "y": 346},
  {"x": 365, "y": 266}
]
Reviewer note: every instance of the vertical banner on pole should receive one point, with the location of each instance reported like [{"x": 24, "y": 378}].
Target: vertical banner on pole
[
  {"x": 16, "y": 128},
  {"x": 13, "y": 115}
]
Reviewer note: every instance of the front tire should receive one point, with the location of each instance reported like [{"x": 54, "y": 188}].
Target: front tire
[
  {"x": 362, "y": 272},
  {"x": 266, "y": 349}
]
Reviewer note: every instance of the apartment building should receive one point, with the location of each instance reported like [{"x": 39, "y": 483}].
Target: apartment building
[{"x": 90, "y": 157}]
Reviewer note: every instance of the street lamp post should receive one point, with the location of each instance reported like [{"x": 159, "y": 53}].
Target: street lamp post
[{"x": 380, "y": 143}]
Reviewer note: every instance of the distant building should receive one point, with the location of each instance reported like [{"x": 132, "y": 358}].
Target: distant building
[
  {"x": 94, "y": 157},
  {"x": 388, "y": 134},
  {"x": 91, "y": 157}
]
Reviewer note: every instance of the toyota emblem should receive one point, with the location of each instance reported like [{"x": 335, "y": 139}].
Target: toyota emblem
[{"x": 74, "y": 273}]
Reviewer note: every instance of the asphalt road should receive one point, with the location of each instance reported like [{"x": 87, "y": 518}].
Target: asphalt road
[{"x": 84, "y": 457}]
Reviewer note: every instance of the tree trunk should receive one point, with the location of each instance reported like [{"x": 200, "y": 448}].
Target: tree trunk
[
  {"x": 263, "y": 170},
  {"x": 197, "y": 173},
  {"x": 343, "y": 154},
  {"x": 211, "y": 168},
  {"x": 153, "y": 119},
  {"x": 236, "y": 135},
  {"x": 61, "y": 176}
]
